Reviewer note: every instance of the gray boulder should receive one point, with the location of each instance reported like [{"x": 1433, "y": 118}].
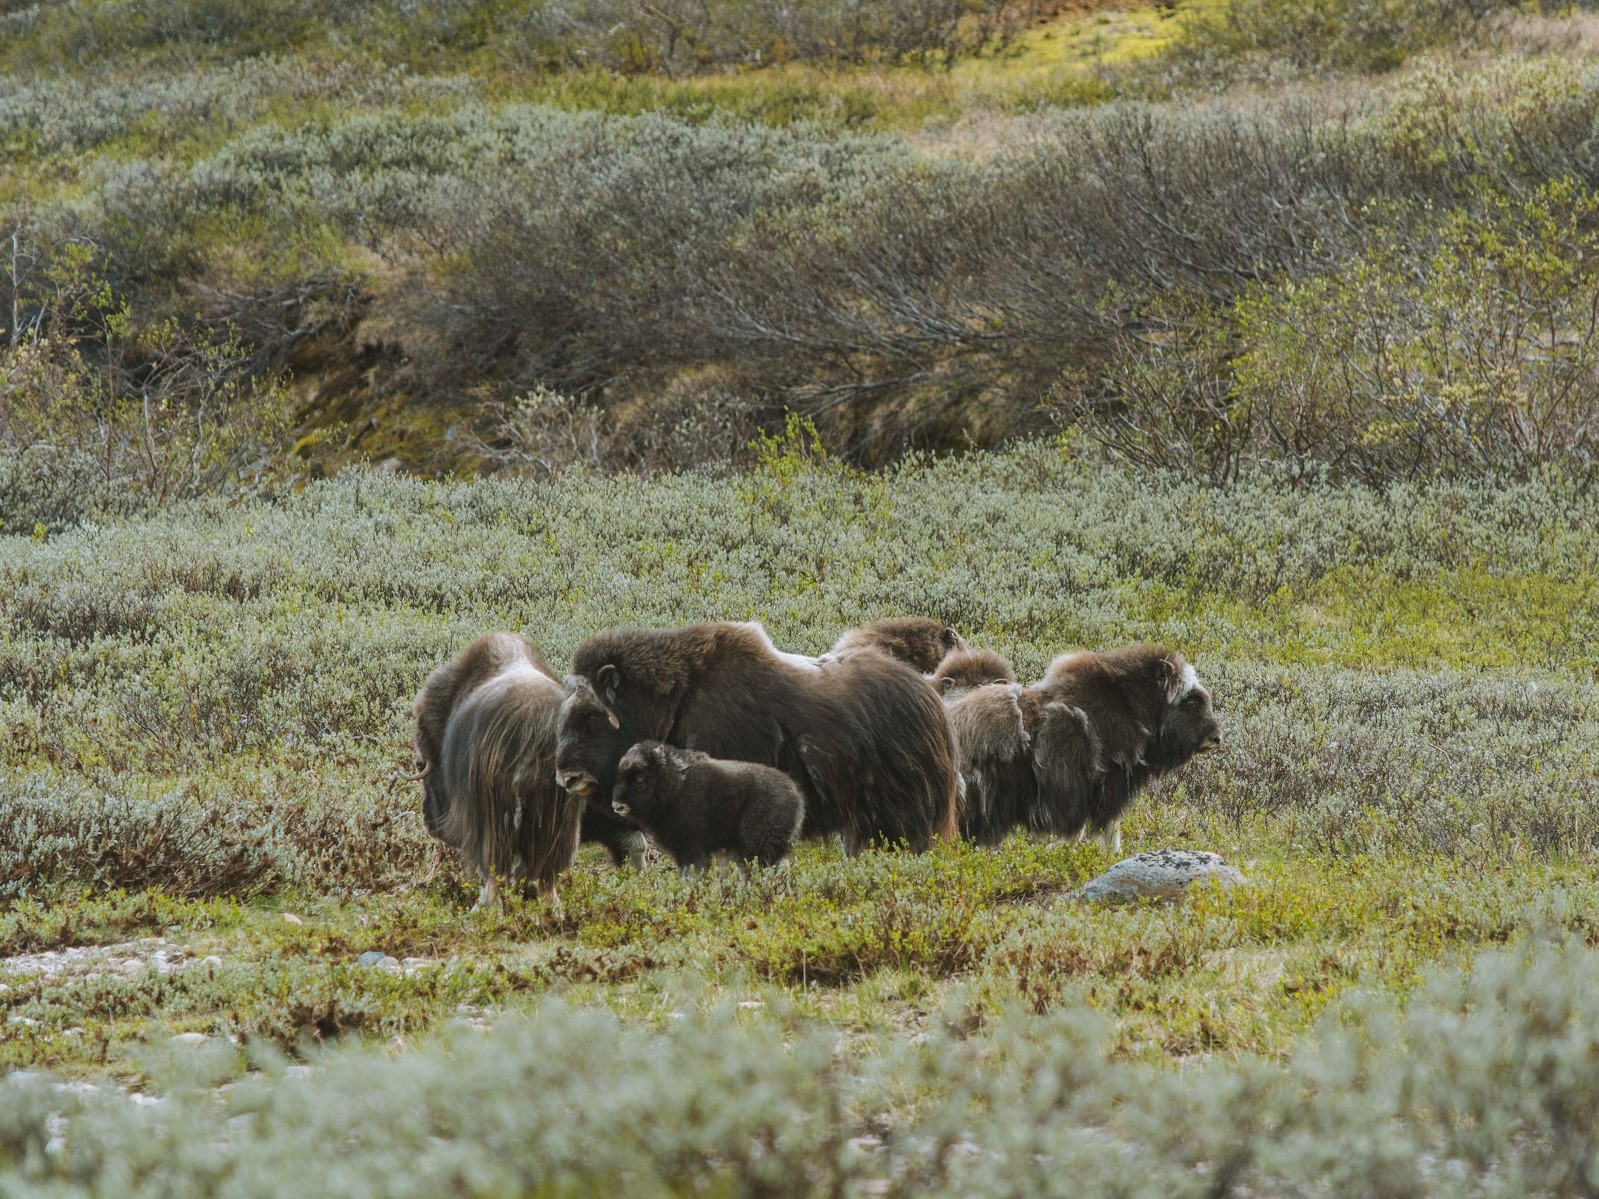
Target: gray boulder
[{"x": 1165, "y": 874}]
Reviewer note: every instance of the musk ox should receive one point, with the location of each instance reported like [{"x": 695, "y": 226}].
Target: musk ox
[
  {"x": 864, "y": 736},
  {"x": 695, "y": 805},
  {"x": 915, "y": 640},
  {"x": 963, "y": 669},
  {"x": 1068, "y": 754},
  {"x": 485, "y": 739}
]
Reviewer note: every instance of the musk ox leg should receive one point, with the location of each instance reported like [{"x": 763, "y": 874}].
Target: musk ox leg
[
  {"x": 636, "y": 848},
  {"x": 1110, "y": 836},
  {"x": 622, "y": 839},
  {"x": 489, "y": 895}
]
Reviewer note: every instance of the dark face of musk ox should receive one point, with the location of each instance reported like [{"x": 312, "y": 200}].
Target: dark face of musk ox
[
  {"x": 642, "y": 780},
  {"x": 1188, "y": 726},
  {"x": 588, "y": 738}
]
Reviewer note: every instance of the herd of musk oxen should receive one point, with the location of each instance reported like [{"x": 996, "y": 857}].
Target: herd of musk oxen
[{"x": 712, "y": 741}]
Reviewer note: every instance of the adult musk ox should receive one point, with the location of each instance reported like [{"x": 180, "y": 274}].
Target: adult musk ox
[
  {"x": 864, "y": 736},
  {"x": 915, "y": 640},
  {"x": 695, "y": 805},
  {"x": 485, "y": 738},
  {"x": 1068, "y": 754}
]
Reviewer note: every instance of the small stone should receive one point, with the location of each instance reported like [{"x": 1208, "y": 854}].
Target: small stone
[
  {"x": 1165, "y": 875},
  {"x": 191, "y": 1039},
  {"x": 291, "y": 918},
  {"x": 134, "y": 966},
  {"x": 378, "y": 960},
  {"x": 211, "y": 959}
]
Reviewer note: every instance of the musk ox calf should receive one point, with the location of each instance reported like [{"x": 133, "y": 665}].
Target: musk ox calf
[
  {"x": 1068, "y": 754},
  {"x": 915, "y": 640},
  {"x": 695, "y": 805},
  {"x": 485, "y": 739},
  {"x": 864, "y": 736}
]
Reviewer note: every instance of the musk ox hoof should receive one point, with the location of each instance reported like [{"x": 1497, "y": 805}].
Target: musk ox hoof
[{"x": 1164, "y": 875}]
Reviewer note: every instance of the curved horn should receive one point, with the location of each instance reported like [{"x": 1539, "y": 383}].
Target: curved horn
[{"x": 415, "y": 778}]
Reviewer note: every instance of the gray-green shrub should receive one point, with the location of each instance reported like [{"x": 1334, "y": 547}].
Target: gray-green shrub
[
  {"x": 270, "y": 648},
  {"x": 1482, "y": 1085}
]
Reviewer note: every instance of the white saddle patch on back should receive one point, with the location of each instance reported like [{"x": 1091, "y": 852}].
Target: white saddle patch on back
[{"x": 799, "y": 661}]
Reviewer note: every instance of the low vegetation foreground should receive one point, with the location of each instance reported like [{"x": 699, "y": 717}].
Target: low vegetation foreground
[{"x": 203, "y": 832}]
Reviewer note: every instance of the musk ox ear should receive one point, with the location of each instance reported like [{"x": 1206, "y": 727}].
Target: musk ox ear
[
  {"x": 1166, "y": 676},
  {"x": 946, "y": 684},
  {"x": 605, "y": 680},
  {"x": 1177, "y": 677}
]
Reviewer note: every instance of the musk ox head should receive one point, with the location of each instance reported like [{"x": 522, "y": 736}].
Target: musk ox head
[
  {"x": 915, "y": 640},
  {"x": 646, "y": 778},
  {"x": 1188, "y": 725},
  {"x": 589, "y": 739},
  {"x": 963, "y": 669}
]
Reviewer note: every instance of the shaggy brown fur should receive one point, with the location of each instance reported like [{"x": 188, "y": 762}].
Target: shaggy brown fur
[
  {"x": 1068, "y": 754},
  {"x": 963, "y": 669},
  {"x": 485, "y": 737},
  {"x": 695, "y": 805},
  {"x": 864, "y": 736},
  {"x": 915, "y": 640}
]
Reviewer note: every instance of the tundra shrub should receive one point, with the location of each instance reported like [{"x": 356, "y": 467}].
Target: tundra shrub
[
  {"x": 672, "y": 37},
  {"x": 1218, "y": 42},
  {"x": 1480, "y": 1084},
  {"x": 265, "y": 652},
  {"x": 1455, "y": 343},
  {"x": 98, "y": 418}
]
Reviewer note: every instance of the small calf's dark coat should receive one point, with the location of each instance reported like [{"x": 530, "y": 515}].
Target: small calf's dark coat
[{"x": 695, "y": 805}]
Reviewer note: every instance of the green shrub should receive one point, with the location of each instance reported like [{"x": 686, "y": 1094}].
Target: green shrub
[
  {"x": 1320, "y": 35},
  {"x": 1454, "y": 343},
  {"x": 101, "y": 418}
]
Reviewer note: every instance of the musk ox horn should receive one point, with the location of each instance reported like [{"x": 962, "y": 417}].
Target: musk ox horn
[{"x": 415, "y": 778}]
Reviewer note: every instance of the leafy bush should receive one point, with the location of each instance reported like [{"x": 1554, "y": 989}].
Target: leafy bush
[
  {"x": 473, "y": 252},
  {"x": 674, "y": 36},
  {"x": 97, "y": 418},
  {"x": 1457, "y": 343},
  {"x": 1338, "y": 35}
]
